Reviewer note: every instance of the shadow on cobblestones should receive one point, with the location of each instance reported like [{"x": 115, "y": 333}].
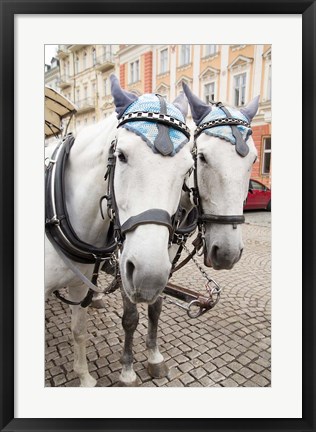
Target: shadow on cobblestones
[{"x": 229, "y": 346}]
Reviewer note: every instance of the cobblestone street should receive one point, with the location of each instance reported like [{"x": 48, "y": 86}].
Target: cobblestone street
[{"x": 229, "y": 346}]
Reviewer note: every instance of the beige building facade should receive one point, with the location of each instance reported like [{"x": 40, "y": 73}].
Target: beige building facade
[
  {"x": 84, "y": 79},
  {"x": 233, "y": 74}
]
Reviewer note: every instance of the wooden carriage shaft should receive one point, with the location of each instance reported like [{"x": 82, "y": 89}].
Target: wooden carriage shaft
[{"x": 186, "y": 294}]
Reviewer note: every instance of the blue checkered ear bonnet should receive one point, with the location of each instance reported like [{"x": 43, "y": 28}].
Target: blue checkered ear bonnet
[
  {"x": 225, "y": 132},
  {"x": 159, "y": 123},
  {"x": 232, "y": 126}
]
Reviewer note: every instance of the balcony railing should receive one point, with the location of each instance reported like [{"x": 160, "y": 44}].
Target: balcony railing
[
  {"x": 86, "y": 104},
  {"x": 64, "y": 81},
  {"x": 105, "y": 61}
]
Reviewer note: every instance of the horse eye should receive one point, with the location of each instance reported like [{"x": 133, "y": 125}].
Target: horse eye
[
  {"x": 122, "y": 158},
  {"x": 255, "y": 160},
  {"x": 201, "y": 157}
]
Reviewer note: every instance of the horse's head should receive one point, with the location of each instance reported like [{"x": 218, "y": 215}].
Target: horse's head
[
  {"x": 152, "y": 161},
  {"x": 225, "y": 153}
]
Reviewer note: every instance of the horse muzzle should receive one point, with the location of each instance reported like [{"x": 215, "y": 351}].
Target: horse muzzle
[
  {"x": 221, "y": 259},
  {"x": 143, "y": 284}
]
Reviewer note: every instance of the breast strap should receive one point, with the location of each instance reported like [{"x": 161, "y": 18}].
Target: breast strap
[{"x": 57, "y": 221}]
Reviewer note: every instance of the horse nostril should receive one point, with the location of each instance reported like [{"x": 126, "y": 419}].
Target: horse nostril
[
  {"x": 241, "y": 251},
  {"x": 214, "y": 252},
  {"x": 130, "y": 270}
]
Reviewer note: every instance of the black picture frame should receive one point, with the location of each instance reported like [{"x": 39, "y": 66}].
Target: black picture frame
[{"x": 7, "y": 11}]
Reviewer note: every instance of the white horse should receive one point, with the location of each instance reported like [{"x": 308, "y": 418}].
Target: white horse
[
  {"x": 225, "y": 153},
  {"x": 223, "y": 162},
  {"x": 145, "y": 178},
  {"x": 222, "y": 171}
]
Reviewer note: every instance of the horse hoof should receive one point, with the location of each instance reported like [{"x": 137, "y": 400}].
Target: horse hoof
[
  {"x": 98, "y": 304},
  {"x": 89, "y": 381},
  {"x": 128, "y": 383},
  {"x": 158, "y": 370}
]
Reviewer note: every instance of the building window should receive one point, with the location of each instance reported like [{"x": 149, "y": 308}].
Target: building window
[
  {"x": 85, "y": 90},
  {"x": 269, "y": 83},
  {"x": 94, "y": 89},
  {"x": 84, "y": 61},
  {"x": 134, "y": 71},
  {"x": 240, "y": 89},
  {"x": 77, "y": 95},
  {"x": 209, "y": 92},
  {"x": 210, "y": 50},
  {"x": 105, "y": 86},
  {"x": 164, "y": 60},
  {"x": 184, "y": 55},
  {"x": 266, "y": 155},
  {"x": 94, "y": 57},
  {"x": 77, "y": 64}
]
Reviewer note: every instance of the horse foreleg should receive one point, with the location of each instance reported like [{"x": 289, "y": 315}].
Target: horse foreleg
[
  {"x": 79, "y": 331},
  {"x": 157, "y": 367},
  {"x": 128, "y": 376}
]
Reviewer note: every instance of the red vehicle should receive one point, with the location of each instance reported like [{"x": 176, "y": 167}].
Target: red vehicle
[{"x": 259, "y": 196}]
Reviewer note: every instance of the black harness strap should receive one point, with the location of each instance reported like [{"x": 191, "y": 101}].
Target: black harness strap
[
  {"x": 233, "y": 220},
  {"x": 57, "y": 219},
  {"x": 88, "y": 298},
  {"x": 152, "y": 216}
]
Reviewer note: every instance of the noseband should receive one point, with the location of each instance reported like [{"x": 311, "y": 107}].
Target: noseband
[{"x": 242, "y": 150}]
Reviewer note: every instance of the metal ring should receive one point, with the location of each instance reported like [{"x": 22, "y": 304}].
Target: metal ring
[
  {"x": 192, "y": 314},
  {"x": 203, "y": 247}
]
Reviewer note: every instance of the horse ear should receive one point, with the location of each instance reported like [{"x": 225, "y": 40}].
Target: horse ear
[
  {"x": 122, "y": 98},
  {"x": 251, "y": 109},
  {"x": 199, "y": 109},
  {"x": 181, "y": 102}
]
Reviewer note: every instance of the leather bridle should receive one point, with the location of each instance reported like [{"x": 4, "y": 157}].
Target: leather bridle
[
  {"x": 242, "y": 150},
  {"x": 152, "y": 216}
]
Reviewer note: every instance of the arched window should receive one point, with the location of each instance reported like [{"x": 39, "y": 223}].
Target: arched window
[
  {"x": 94, "y": 57},
  {"x": 84, "y": 63}
]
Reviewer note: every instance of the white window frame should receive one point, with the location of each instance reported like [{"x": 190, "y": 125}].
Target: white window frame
[
  {"x": 77, "y": 64},
  {"x": 94, "y": 56},
  {"x": 180, "y": 55},
  {"x": 93, "y": 88},
  {"x": 239, "y": 75},
  {"x": 131, "y": 80},
  {"x": 85, "y": 92},
  {"x": 264, "y": 152},
  {"x": 160, "y": 60},
  {"x": 206, "y": 54},
  {"x": 233, "y": 74},
  {"x": 267, "y": 81},
  {"x": 207, "y": 83},
  {"x": 84, "y": 60}
]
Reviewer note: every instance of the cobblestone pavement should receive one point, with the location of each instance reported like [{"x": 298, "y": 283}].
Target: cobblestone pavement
[{"x": 229, "y": 346}]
